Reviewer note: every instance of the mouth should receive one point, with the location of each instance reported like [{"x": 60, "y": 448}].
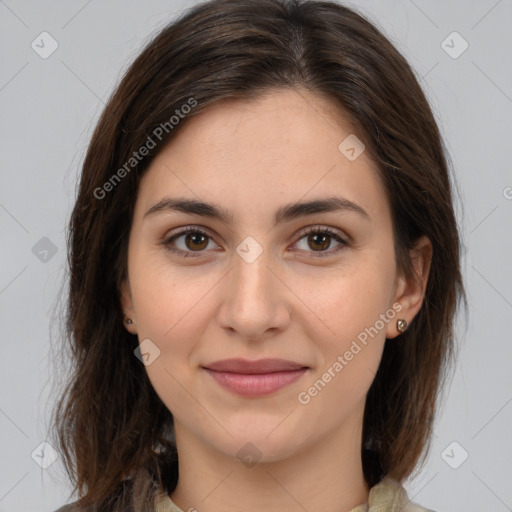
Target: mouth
[{"x": 255, "y": 378}]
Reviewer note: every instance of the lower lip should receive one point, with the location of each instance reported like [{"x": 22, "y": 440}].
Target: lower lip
[{"x": 256, "y": 384}]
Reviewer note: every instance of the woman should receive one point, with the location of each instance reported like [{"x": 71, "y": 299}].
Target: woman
[{"x": 264, "y": 271}]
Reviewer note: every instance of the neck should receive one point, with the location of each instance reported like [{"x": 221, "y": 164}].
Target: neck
[{"x": 327, "y": 476}]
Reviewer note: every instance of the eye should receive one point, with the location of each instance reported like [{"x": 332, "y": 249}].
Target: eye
[
  {"x": 195, "y": 241},
  {"x": 320, "y": 238}
]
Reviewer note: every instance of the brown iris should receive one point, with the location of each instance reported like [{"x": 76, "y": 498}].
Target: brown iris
[
  {"x": 200, "y": 241},
  {"x": 322, "y": 239}
]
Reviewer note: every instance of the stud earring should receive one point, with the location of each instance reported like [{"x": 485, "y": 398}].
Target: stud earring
[
  {"x": 401, "y": 325},
  {"x": 128, "y": 320}
]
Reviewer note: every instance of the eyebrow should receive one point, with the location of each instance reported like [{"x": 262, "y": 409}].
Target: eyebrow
[{"x": 284, "y": 214}]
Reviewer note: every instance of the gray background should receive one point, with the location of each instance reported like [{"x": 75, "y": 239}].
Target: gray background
[{"x": 48, "y": 110}]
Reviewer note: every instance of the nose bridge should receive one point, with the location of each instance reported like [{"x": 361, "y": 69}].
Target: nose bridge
[
  {"x": 254, "y": 302},
  {"x": 251, "y": 278}
]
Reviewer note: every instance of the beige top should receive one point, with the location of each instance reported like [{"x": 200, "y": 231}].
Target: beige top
[{"x": 387, "y": 496}]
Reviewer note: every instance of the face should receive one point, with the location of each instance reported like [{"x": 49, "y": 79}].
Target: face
[{"x": 317, "y": 288}]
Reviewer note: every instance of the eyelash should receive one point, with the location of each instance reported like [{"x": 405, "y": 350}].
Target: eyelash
[{"x": 316, "y": 230}]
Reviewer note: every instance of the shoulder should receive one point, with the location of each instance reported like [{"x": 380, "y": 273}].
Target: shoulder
[{"x": 391, "y": 493}]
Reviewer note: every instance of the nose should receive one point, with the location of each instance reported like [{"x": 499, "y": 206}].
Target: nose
[{"x": 256, "y": 301}]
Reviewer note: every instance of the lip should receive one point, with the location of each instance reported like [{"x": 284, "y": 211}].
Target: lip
[
  {"x": 255, "y": 378},
  {"x": 260, "y": 366}
]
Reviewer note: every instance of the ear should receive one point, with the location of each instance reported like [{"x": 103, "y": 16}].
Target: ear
[
  {"x": 127, "y": 307},
  {"x": 410, "y": 293}
]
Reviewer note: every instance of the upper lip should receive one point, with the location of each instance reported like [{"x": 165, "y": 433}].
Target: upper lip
[{"x": 259, "y": 366}]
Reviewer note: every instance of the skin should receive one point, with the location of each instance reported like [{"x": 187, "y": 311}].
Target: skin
[{"x": 252, "y": 157}]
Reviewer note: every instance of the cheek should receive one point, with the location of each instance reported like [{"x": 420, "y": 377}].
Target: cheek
[
  {"x": 166, "y": 297},
  {"x": 348, "y": 300},
  {"x": 174, "y": 318}
]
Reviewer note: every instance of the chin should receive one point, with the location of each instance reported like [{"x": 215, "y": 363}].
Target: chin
[
  {"x": 250, "y": 451},
  {"x": 258, "y": 443}
]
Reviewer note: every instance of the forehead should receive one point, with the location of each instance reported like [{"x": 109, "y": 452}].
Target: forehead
[{"x": 254, "y": 155}]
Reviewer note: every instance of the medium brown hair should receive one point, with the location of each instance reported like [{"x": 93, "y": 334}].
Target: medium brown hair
[{"x": 114, "y": 432}]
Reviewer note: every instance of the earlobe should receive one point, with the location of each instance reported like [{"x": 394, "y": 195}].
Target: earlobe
[
  {"x": 129, "y": 323},
  {"x": 410, "y": 292}
]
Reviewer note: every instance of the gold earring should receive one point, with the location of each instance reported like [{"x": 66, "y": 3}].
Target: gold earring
[{"x": 401, "y": 325}]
